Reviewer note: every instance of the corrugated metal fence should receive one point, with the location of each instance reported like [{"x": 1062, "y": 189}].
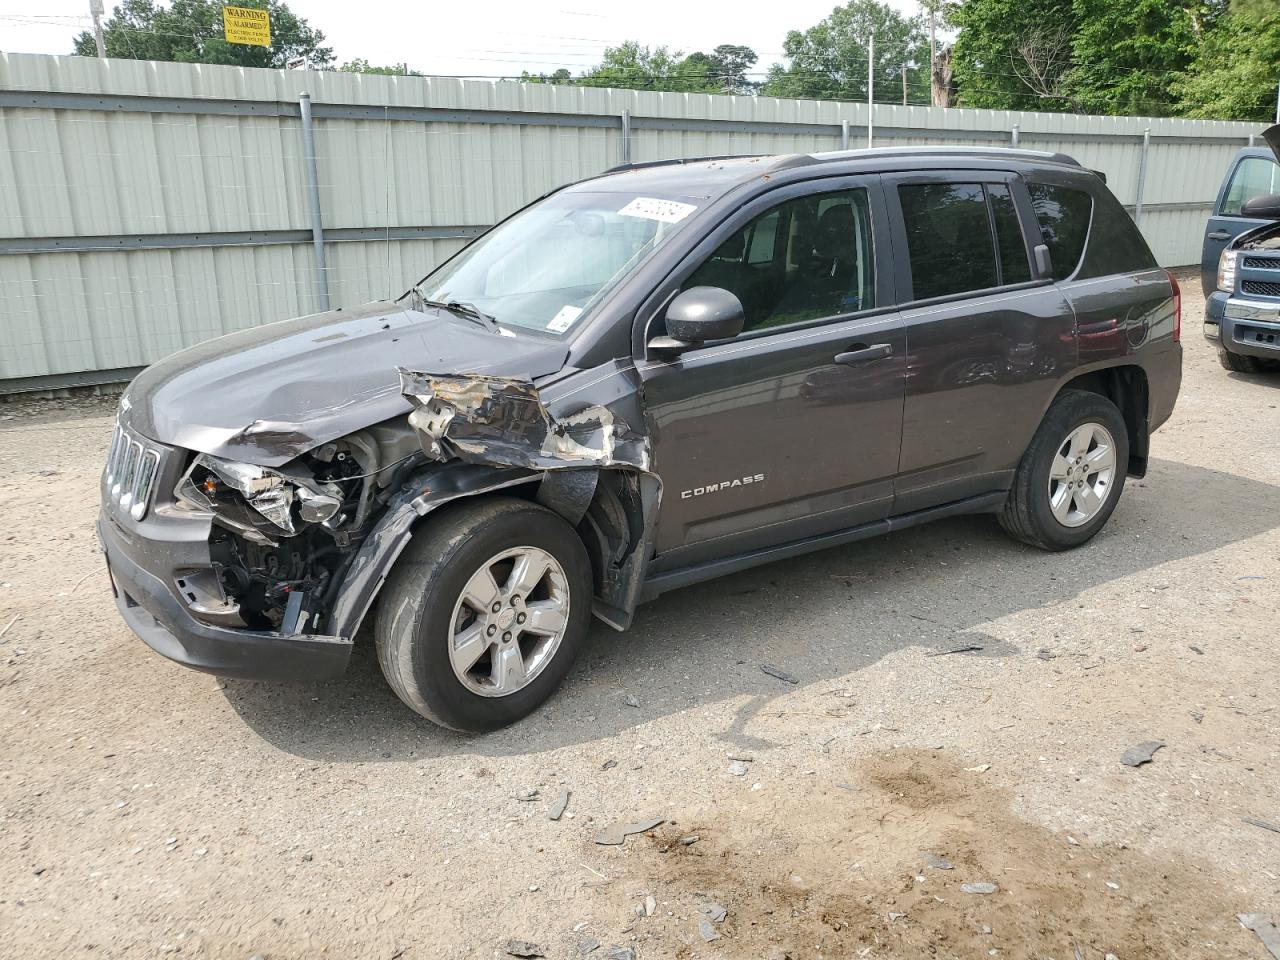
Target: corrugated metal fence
[{"x": 148, "y": 206}]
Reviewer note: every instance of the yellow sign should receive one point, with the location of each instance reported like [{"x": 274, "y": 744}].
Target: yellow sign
[{"x": 246, "y": 25}]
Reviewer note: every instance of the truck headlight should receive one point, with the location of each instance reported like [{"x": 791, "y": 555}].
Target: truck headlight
[
  {"x": 271, "y": 494},
  {"x": 1227, "y": 270}
]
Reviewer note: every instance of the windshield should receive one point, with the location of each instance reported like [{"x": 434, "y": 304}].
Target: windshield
[{"x": 546, "y": 267}]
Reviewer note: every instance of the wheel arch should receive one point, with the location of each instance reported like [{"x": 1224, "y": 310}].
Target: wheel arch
[
  {"x": 613, "y": 511},
  {"x": 1126, "y": 386}
]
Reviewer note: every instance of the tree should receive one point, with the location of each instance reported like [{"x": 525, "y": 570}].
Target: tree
[
  {"x": 1125, "y": 53},
  {"x": 561, "y": 76},
  {"x": 1234, "y": 73},
  {"x": 364, "y": 66},
  {"x": 1013, "y": 54},
  {"x": 829, "y": 60},
  {"x": 633, "y": 66},
  {"x": 190, "y": 31}
]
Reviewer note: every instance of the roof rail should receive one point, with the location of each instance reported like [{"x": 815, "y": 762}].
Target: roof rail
[
  {"x": 681, "y": 160},
  {"x": 943, "y": 150}
]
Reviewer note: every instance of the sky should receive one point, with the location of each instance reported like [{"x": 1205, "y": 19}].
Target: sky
[{"x": 483, "y": 37}]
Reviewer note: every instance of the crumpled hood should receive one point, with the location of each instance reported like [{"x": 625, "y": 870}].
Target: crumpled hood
[
  {"x": 268, "y": 394},
  {"x": 1272, "y": 137}
]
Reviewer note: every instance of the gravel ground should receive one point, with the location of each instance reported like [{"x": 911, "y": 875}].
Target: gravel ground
[{"x": 148, "y": 810}]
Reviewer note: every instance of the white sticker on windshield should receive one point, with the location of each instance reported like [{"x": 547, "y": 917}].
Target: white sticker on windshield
[
  {"x": 667, "y": 211},
  {"x": 563, "y": 320}
]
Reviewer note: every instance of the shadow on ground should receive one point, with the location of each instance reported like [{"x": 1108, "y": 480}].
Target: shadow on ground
[{"x": 823, "y": 616}]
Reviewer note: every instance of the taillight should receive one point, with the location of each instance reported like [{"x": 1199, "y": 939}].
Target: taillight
[{"x": 1177, "y": 307}]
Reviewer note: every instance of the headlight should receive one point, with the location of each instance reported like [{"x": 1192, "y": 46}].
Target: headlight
[
  {"x": 270, "y": 493},
  {"x": 1227, "y": 270}
]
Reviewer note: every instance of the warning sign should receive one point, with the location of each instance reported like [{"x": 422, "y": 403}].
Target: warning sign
[{"x": 246, "y": 25}]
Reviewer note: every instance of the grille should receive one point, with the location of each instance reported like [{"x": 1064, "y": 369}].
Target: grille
[
  {"x": 131, "y": 473},
  {"x": 1261, "y": 263},
  {"x": 1263, "y": 288}
]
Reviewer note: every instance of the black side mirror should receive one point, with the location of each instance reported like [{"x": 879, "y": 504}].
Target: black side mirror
[
  {"x": 1264, "y": 207},
  {"x": 700, "y": 314},
  {"x": 1044, "y": 264}
]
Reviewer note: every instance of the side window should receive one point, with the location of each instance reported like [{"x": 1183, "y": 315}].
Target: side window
[
  {"x": 1014, "y": 266},
  {"x": 949, "y": 241},
  {"x": 1063, "y": 214},
  {"x": 1253, "y": 177},
  {"x": 804, "y": 259}
]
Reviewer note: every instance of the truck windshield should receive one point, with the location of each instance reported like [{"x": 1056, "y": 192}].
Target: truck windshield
[{"x": 546, "y": 267}]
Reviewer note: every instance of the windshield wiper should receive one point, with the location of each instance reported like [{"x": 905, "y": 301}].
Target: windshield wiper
[{"x": 461, "y": 308}]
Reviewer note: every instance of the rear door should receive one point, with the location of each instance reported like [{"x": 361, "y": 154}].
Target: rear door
[
  {"x": 1249, "y": 177},
  {"x": 792, "y": 428},
  {"x": 986, "y": 339}
]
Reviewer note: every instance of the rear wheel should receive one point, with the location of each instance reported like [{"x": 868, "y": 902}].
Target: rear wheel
[
  {"x": 1071, "y": 475},
  {"x": 484, "y": 613}
]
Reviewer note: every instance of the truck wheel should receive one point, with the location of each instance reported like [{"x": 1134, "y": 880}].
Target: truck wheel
[
  {"x": 1071, "y": 475},
  {"x": 484, "y": 613},
  {"x": 1238, "y": 362}
]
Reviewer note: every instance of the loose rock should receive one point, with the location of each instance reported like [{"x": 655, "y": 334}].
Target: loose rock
[
  {"x": 706, "y": 930},
  {"x": 689, "y": 840},
  {"x": 738, "y": 768},
  {"x": 558, "y": 805},
  {"x": 937, "y": 862},
  {"x": 713, "y": 911},
  {"x": 779, "y": 673},
  {"x": 1140, "y": 753},
  {"x": 523, "y": 948},
  {"x": 1266, "y": 930},
  {"x": 614, "y": 835},
  {"x": 978, "y": 887}
]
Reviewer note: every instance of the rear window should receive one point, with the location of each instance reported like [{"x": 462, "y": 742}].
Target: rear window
[
  {"x": 1253, "y": 177},
  {"x": 1063, "y": 214}
]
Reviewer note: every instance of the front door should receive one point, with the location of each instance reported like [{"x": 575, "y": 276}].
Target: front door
[
  {"x": 1252, "y": 176},
  {"x": 791, "y": 429}
]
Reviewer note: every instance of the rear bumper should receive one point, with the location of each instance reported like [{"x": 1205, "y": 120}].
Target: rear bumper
[
  {"x": 155, "y": 614},
  {"x": 1243, "y": 326}
]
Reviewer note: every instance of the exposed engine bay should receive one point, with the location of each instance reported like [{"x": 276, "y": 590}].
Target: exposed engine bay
[{"x": 283, "y": 538}]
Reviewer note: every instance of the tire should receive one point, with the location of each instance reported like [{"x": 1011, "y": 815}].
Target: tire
[
  {"x": 1029, "y": 514},
  {"x": 423, "y": 613},
  {"x": 1239, "y": 363}
]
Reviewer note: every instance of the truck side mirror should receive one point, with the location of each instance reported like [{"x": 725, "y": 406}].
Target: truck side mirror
[
  {"x": 1263, "y": 207},
  {"x": 700, "y": 314}
]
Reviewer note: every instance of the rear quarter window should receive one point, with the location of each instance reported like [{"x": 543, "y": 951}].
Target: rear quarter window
[
  {"x": 1063, "y": 214},
  {"x": 1115, "y": 244}
]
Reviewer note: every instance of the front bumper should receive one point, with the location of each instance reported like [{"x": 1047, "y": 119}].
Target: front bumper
[
  {"x": 1244, "y": 326},
  {"x": 153, "y": 611}
]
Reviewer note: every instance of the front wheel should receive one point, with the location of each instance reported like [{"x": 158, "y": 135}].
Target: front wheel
[
  {"x": 484, "y": 613},
  {"x": 1072, "y": 474},
  {"x": 1242, "y": 363}
]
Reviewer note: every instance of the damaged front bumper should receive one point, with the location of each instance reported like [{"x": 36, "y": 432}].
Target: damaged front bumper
[{"x": 139, "y": 568}]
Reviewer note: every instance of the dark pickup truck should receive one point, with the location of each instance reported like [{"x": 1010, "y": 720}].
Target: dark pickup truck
[{"x": 1240, "y": 265}]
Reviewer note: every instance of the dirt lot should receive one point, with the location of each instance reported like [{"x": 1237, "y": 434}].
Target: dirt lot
[{"x": 148, "y": 810}]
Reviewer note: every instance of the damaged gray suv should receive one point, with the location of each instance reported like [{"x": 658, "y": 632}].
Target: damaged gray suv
[{"x": 661, "y": 375}]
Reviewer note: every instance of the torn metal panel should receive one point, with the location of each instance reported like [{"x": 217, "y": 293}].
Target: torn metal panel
[{"x": 591, "y": 418}]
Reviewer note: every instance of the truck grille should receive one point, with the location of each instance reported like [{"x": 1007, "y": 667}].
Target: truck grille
[
  {"x": 1262, "y": 288},
  {"x": 1261, "y": 263},
  {"x": 130, "y": 473}
]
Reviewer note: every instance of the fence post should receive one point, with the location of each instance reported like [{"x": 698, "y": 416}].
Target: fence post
[
  {"x": 844, "y": 134},
  {"x": 313, "y": 197},
  {"x": 626, "y": 136},
  {"x": 1016, "y": 132},
  {"x": 1142, "y": 176}
]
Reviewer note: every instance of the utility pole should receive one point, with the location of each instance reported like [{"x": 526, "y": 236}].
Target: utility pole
[
  {"x": 95, "y": 10},
  {"x": 904, "y": 84},
  {"x": 871, "y": 87},
  {"x": 1278, "y": 103}
]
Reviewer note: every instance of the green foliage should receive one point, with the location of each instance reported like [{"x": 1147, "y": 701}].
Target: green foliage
[
  {"x": 364, "y": 66},
  {"x": 632, "y": 66},
  {"x": 829, "y": 60},
  {"x": 989, "y": 61},
  {"x": 1237, "y": 66},
  {"x": 190, "y": 31},
  {"x": 561, "y": 76},
  {"x": 1127, "y": 51}
]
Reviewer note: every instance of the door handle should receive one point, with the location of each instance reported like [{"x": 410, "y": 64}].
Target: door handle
[
  {"x": 1220, "y": 235},
  {"x": 860, "y": 353}
]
